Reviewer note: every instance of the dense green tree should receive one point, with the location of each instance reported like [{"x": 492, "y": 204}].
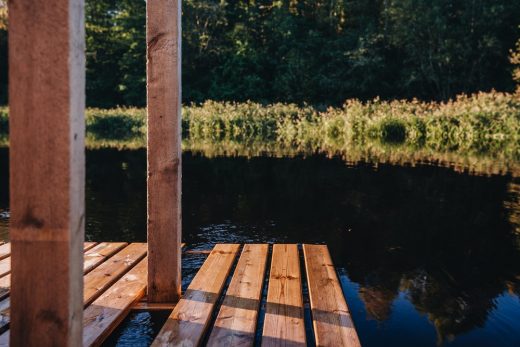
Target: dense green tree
[{"x": 314, "y": 51}]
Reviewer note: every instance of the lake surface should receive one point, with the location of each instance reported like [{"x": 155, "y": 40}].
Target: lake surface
[{"x": 426, "y": 256}]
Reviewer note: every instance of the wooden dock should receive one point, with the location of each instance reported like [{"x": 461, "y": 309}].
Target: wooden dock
[
  {"x": 222, "y": 305},
  {"x": 41, "y": 300}
]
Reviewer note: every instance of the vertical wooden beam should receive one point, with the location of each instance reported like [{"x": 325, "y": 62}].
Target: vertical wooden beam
[
  {"x": 163, "y": 68},
  {"x": 47, "y": 170}
]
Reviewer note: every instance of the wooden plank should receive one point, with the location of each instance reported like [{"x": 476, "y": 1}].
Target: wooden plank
[
  {"x": 163, "y": 71},
  {"x": 5, "y": 263},
  {"x": 333, "y": 325},
  {"x": 100, "y": 253},
  {"x": 197, "y": 251},
  {"x": 102, "y": 277},
  {"x": 147, "y": 306},
  {"x": 236, "y": 321},
  {"x": 5, "y": 250},
  {"x": 88, "y": 245},
  {"x": 47, "y": 170},
  {"x": 284, "y": 322},
  {"x": 189, "y": 320},
  {"x": 98, "y": 280},
  {"x": 5, "y": 266},
  {"x": 106, "y": 312},
  {"x": 5, "y": 286}
]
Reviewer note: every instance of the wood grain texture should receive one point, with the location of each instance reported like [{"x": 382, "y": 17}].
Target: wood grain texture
[
  {"x": 95, "y": 282},
  {"x": 98, "y": 254},
  {"x": 5, "y": 250},
  {"x": 190, "y": 318},
  {"x": 5, "y": 262},
  {"x": 163, "y": 71},
  {"x": 102, "y": 277},
  {"x": 88, "y": 245},
  {"x": 146, "y": 306},
  {"x": 284, "y": 322},
  {"x": 5, "y": 266},
  {"x": 236, "y": 321},
  {"x": 106, "y": 312},
  {"x": 47, "y": 170},
  {"x": 333, "y": 325},
  {"x": 5, "y": 283}
]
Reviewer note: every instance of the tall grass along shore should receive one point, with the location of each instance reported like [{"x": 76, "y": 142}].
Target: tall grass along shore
[{"x": 480, "y": 132}]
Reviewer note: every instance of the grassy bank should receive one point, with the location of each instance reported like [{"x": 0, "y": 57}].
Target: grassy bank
[{"x": 479, "y": 132}]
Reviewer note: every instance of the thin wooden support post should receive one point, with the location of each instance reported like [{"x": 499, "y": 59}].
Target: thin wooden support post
[
  {"x": 47, "y": 170},
  {"x": 163, "y": 43}
]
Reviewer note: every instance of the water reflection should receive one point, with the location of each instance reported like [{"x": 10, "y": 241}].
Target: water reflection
[{"x": 427, "y": 255}]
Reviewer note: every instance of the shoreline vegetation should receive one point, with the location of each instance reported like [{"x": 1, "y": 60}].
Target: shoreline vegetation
[{"x": 479, "y": 133}]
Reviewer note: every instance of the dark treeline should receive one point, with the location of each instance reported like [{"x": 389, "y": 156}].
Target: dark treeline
[{"x": 315, "y": 51}]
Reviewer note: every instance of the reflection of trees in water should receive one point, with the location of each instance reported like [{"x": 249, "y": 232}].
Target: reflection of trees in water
[
  {"x": 378, "y": 301},
  {"x": 513, "y": 204},
  {"x": 453, "y": 251},
  {"x": 373, "y": 152}
]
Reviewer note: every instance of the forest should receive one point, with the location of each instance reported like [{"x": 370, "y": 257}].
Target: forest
[{"x": 304, "y": 51}]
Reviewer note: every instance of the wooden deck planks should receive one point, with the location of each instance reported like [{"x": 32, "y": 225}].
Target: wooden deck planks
[
  {"x": 284, "y": 322},
  {"x": 104, "y": 314},
  {"x": 95, "y": 282},
  {"x": 98, "y": 254},
  {"x": 88, "y": 245},
  {"x": 5, "y": 281},
  {"x": 102, "y": 277},
  {"x": 5, "y": 250},
  {"x": 115, "y": 281},
  {"x": 190, "y": 318},
  {"x": 333, "y": 325},
  {"x": 236, "y": 321},
  {"x": 5, "y": 266}
]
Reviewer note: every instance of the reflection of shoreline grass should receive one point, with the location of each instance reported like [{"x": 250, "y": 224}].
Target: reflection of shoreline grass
[{"x": 478, "y": 133}]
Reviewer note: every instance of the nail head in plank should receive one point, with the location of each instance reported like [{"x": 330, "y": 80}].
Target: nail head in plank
[
  {"x": 103, "y": 276},
  {"x": 100, "y": 253},
  {"x": 332, "y": 322},
  {"x": 190, "y": 318},
  {"x": 284, "y": 322},
  {"x": 102, "y": 316},
  {"x": 236, "y": 321}
]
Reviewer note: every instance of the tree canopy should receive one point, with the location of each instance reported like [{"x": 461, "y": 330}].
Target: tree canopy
[{"x": 313, "y": 51}]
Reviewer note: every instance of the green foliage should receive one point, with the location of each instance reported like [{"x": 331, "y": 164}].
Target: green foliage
[
  {"x": 304, "y": 51},
  {"x": 118, "y": 124},
  {"x": 467, "y": 131},
  {"x": 515, "y": 60},
  {"x": 4, "y": 127}
]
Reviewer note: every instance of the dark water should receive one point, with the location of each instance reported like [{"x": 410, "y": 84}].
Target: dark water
[{"x": 426, "y": 256}]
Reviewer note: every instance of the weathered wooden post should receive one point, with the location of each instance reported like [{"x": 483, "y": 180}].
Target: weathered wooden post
[
  {"x": 46, "y": 123},
  {"x": 163, "y": 69}
]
